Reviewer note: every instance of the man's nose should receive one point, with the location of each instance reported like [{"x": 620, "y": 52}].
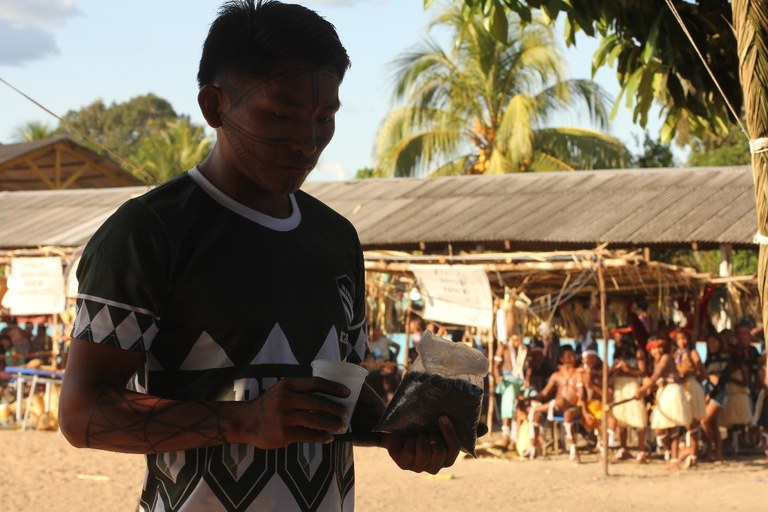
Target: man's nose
[{"x": 306, "y": 140}]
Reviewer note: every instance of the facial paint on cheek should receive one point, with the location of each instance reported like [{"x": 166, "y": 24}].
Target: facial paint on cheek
[{"x": 252, "y": 151}]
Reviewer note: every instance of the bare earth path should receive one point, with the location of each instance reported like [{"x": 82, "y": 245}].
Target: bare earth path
[{"x": 42, "y": 472}]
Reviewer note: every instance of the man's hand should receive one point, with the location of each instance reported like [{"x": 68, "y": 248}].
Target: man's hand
[
  {"x": 291, "y": 411},
  {"x": 425, "y": 452}
]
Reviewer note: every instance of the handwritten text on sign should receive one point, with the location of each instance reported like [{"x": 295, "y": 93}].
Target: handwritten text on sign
[
  {"x": 455, "y": 294},
  {"x": 35, "y": 286}
]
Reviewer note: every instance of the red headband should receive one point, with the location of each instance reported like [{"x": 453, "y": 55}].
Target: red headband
[{"x": 657, "y": 342}]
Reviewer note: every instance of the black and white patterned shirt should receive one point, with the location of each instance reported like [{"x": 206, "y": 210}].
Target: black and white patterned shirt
[{"x": 225, "y": 301}]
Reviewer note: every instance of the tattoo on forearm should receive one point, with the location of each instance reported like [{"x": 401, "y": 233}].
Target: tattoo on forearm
[{"x": 131, "y": 422}]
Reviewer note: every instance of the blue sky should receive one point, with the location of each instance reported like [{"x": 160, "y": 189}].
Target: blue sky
[{"x": 68, "y": 53}]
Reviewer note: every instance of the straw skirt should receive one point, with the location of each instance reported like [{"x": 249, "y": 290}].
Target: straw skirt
[
  {"x": 629, "y": 414},
  {"x": 738, "y": 406},
  {"x": 672, "y": 408},
  {"x": 696, "y": 397}
]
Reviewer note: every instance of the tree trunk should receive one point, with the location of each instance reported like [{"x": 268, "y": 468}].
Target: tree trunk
[{"x": 750, "y": 21}]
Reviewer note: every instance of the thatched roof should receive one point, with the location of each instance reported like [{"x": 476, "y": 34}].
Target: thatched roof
[
  {"x": 58, "y": 163},
  {"x": 554, "y": 272}
]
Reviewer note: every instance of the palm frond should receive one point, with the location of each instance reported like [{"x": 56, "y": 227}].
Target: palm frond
[{"x": 582, "y": 148}]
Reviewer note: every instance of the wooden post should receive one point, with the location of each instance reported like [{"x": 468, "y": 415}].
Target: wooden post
[
  {"x": 407, "y": 363},
  {"x": 750, "y": 24},
  {"x": 491, "y": 381},
  {"x": 55, "y": 339},
  {"x": 604, "y": 330},
  {"x": 697, "y": 312}
]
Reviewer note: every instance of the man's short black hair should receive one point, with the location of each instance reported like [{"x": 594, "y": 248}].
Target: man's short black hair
[{"x": 247, "y": 38}]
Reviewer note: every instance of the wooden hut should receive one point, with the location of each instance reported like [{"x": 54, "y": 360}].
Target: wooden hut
[{"x": 58, "y": 163}]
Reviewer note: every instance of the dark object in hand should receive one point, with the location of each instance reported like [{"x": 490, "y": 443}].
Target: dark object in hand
[{"x": 423, "y": 397}]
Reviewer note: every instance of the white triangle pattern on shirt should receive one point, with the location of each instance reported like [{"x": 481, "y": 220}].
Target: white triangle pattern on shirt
[
  {"x": 276, "y": 350},
  {"x": 330, "y": 348},
  {"x": 206, "y": 354}
]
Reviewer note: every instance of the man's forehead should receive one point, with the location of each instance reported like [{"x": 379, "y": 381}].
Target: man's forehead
[{"x": 283, "y": 83}]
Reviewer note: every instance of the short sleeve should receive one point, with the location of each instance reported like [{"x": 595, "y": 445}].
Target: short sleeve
[{"x": 122, "y": 279}]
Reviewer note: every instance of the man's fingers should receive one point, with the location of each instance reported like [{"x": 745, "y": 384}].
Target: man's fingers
[
  {"x": 403, "y": 452},
  {"x": 315, "y": 385},
  {"x": 438, "y": 454},
  {"x": 452, "y": 443},
  {"x": 316, "y": 420},
  {"x": 449, "y": 433}
]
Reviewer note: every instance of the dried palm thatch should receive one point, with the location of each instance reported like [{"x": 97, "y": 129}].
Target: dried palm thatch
[{"x": 750, "y": 21}]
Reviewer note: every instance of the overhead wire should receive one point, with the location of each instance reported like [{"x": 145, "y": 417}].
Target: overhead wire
[
  {"x": 148, "y": 178},
  {"x": 687, "y": 32}
]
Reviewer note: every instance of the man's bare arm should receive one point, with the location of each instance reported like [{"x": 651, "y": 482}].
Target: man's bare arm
[
  {"x": 97, "y": 411},
  {"x": 549, "y": 389}
]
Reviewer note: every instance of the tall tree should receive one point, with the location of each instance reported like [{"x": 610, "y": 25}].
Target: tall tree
[
  {"x": 485, "y": 106},
  {"x": 654, "y": 154},
  {"x": 145, "y": 132},
  {"x": 120, "y": 126},
  {"x": 712, "y": 150},
  {"x": 653, "y": 57}
]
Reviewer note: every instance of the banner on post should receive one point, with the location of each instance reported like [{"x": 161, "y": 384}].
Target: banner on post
[
  {"x": 455, "y": 294},
  {"x": 35, "y": 287}
]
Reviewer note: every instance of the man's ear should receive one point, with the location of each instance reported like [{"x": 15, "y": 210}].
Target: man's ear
[{"x": 209, "y": 98}]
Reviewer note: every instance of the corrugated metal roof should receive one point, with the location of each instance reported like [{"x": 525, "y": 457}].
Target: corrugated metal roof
[
  {"x": 621, "y": 207},
  {"x": 584, "y": 208},
  {"x": 65, "y": 218}
]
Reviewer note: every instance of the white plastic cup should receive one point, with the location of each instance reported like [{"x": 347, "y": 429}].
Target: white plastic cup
[{"x": 349, "y": 374}]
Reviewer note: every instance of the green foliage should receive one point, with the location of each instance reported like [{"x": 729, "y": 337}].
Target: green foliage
[
  {"x": 144, "y": 130},
  {"x": 121, "y": 126},
  {"x": 35, "y": 130},
  {"x": 744, "y": 261},
  {"x": 653, "y": 58},
  {"x": 365, "y": 173},
  {"x": 732, "y": 149},
  {"x": 173, "y": 148},
  {"x": 655, "y": 154},
  {"x": 485, "y": 106}
]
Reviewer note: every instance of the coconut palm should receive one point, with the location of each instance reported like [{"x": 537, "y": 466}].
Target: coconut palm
[
  {"x": 485, "y": 107},
  {"x": 175, "y": 147},
  {"x": 34, "y": 130}
]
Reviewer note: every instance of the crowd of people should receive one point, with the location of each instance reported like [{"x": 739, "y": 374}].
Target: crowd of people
[
  {"x": 22, "y": 344},
  {"x": 663, "y": 397}
]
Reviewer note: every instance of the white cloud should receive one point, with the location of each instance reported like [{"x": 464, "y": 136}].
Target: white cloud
[
  {"x": 26, "y": 28},
  {"x": 329, "y": 171},
  {"x": 37, "y": 13},
  {"x": 20, "y": 45}
]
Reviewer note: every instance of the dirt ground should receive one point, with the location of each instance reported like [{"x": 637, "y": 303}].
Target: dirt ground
[{"x": 44, "y": 473}]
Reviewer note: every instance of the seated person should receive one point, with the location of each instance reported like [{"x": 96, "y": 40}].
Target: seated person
[
  {"x": 509, "y": 375},
  {"x": 7, "y": 358},
  {"x": 382, "y": 349},
  {"x": 562, "y": 396}
]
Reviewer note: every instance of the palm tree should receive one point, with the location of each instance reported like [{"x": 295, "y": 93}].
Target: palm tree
[
  {"x": 172, "y": 149},
  {"x": 485, "y": 107},
  {"x": 34, "y": 130}
]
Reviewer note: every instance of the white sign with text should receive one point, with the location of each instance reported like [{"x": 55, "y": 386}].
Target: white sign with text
[
  {"x": 455, "y": 294},
  {"x": 35, "y": 287}
]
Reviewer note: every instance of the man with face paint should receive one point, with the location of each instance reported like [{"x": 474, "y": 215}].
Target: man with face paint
[{"x": 203, "y": 302}]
